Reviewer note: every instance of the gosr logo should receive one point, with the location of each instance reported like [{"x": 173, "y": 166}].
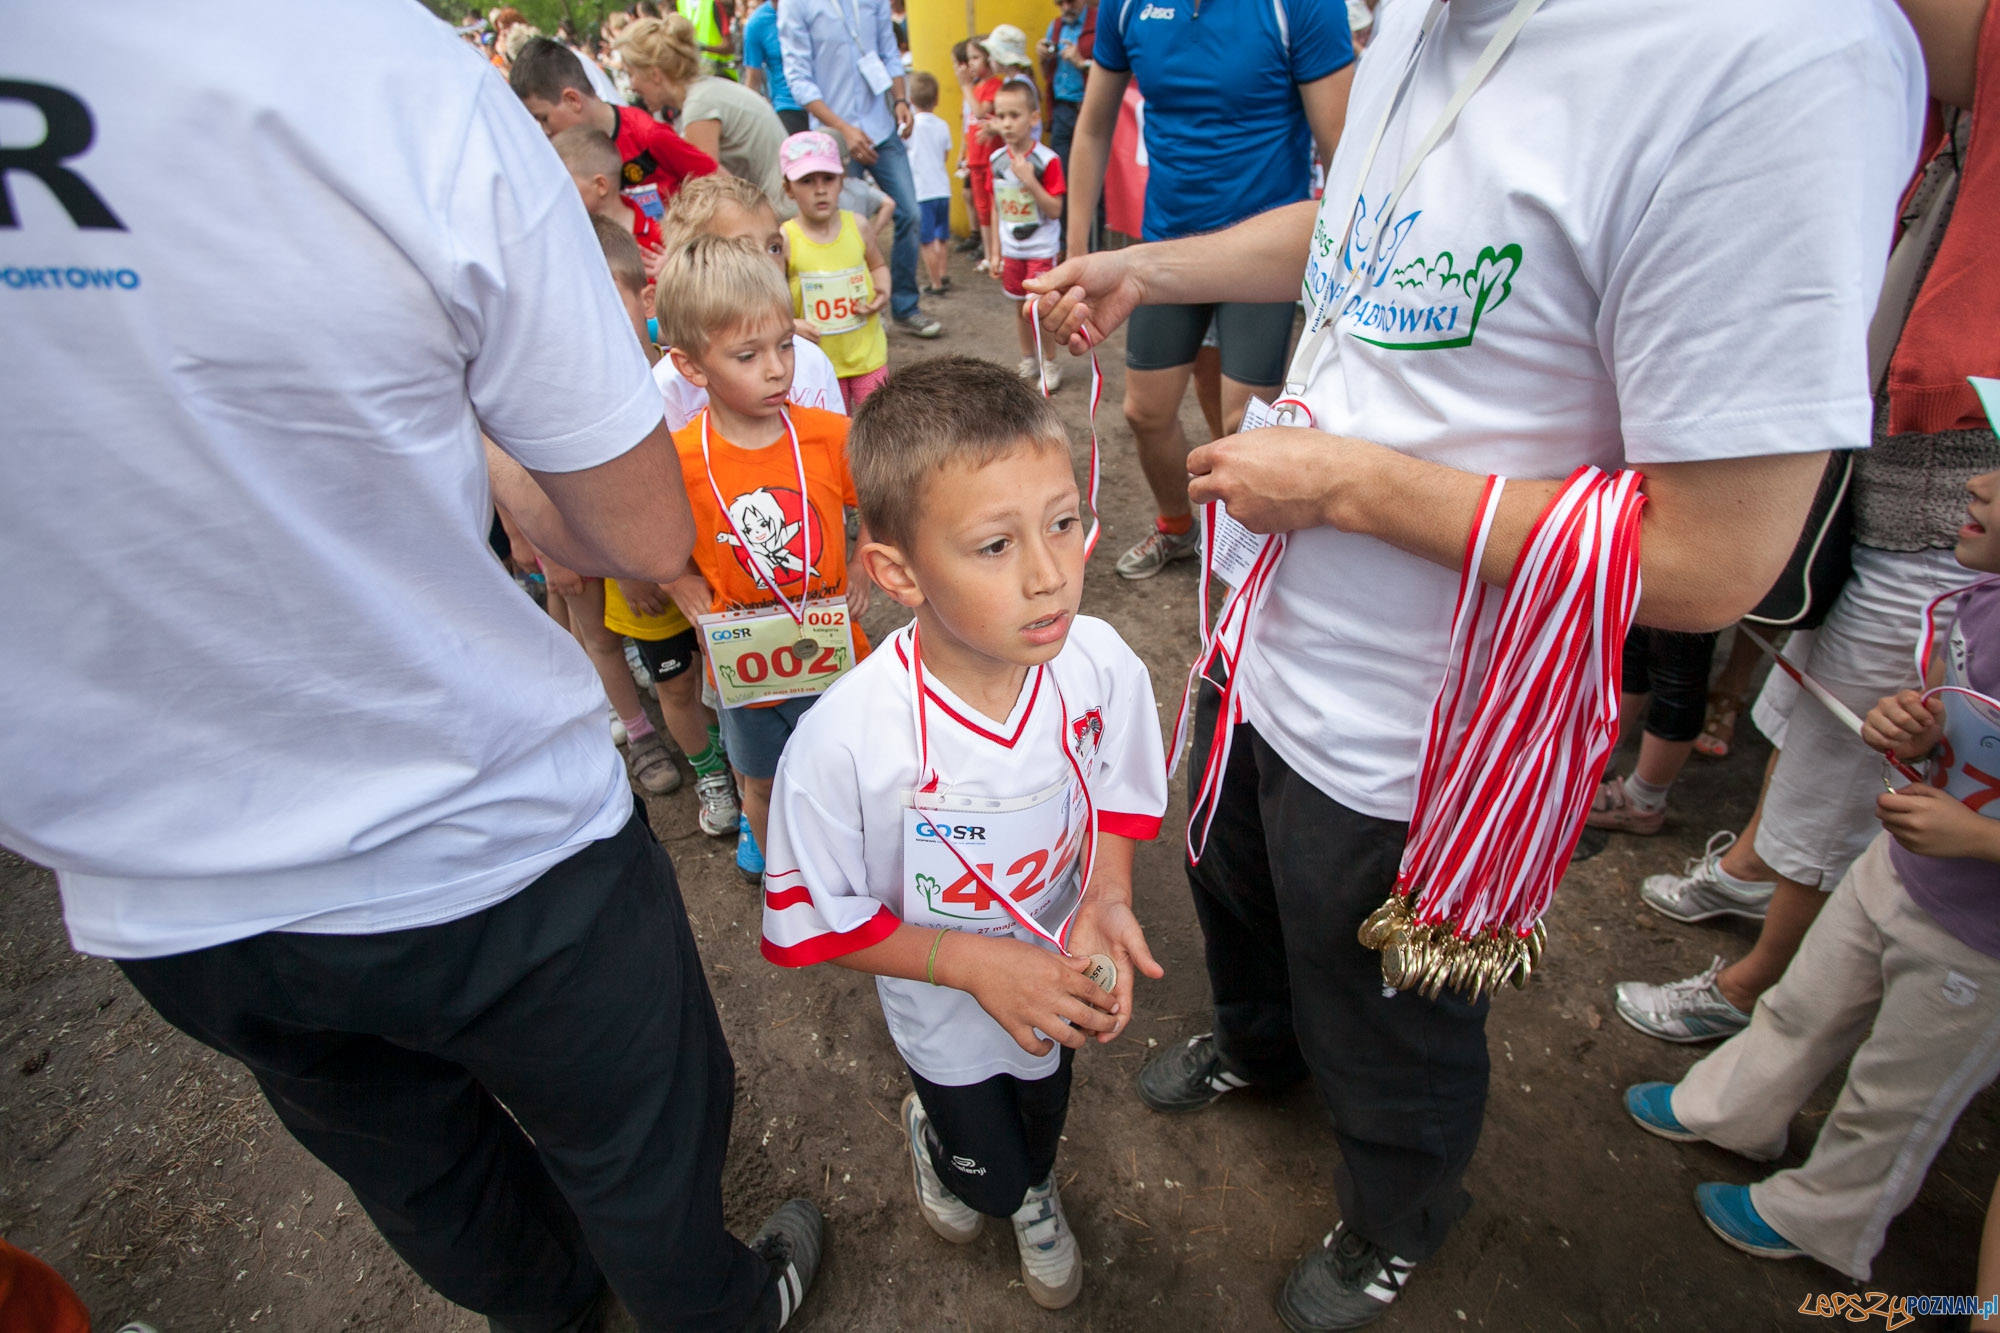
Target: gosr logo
[
  {"x": 68, "y": 132},
  {"x": 955, "y": 832}
]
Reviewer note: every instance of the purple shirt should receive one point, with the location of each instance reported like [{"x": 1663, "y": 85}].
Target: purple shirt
[{"x": 1960, "y": 893}]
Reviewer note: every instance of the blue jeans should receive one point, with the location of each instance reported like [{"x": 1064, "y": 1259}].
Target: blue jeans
[{"x": 891, "y": 174}]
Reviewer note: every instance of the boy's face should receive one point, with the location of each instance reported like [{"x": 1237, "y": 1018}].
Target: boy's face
[
  {"x": 1013, "y": 118},
  {"x": 746, "y": 367},
  {"x": 1979, "y": 540},
  {"x": 817, "y": 195},
  {"x": 635, "y": 310},
  {"x": 760, "y": 227},
  {"x": 555, "y": 117},
  {"x": 597, "y": 192},
  {"x": 997, "y": 554}
]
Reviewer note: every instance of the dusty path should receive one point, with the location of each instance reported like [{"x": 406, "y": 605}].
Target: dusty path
[{"x": 148, "y": 1171}]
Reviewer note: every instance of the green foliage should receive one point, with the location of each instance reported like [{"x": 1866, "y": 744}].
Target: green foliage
[{"x": 547, "y": 15}]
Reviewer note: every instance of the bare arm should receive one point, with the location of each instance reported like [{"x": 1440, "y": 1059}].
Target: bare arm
[
  {"x": 1716, "y": 534},
  {"x": 627, "y": 518},
  {"x": 755, "y": 78},
  {"x": 1090, "y": 151},
  {"x": 1948, "y": 30},
  {"x": 705, "y": 135},
  {"x": 1325, "y": 102}
]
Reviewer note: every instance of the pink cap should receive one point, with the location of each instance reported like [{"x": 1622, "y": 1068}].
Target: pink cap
[{"x": 809, "y": 151}]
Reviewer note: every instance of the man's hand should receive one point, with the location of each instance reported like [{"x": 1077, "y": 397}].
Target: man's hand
[
  {"x": 648, "y": 599},
  {"x": 1087, "y": 297},
  {"x": 1105, "y": 924},
  {"x": 1931, "y": 822},
  {"x": 906, "y": 119},
  {"x": 1024, "y": 988},
  {"x": 859, "y": 147},
  {"x": 1903, "y": 725},
  {"x": 1279, "y": 478}
]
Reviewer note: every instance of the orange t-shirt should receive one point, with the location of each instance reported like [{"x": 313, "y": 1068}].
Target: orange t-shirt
[{"x": 761, "y": 488}]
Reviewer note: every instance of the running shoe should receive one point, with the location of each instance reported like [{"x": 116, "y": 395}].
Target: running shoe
[
  {"x": 1052, "y": 372},
  {"x": 1156, "y": 550},
  {"x": 1683, "y": 1011},
  {"x": 789, "y": 1241},
  {"x": 1730, "y": 1214},
  {"x": 1186, "y": 1078},
  {"x": 720, "y": 814},
  {"x": 749, "y": 856},
  {"x": 1612, "y": 808},
  {"x": 1346, "y": 1283},
  {"x": 652, "y": 765},
  {"x": 947, "y": 1214},
  {"x": 1026, "y": 370},
  {"x": 618, "y": 736},
  {"x": 1051, "y": 1268},
  {"x": 1699, "y": 892},
  {"x": 919, "y": 325},
  {"x": 1651, "y": 1106}
]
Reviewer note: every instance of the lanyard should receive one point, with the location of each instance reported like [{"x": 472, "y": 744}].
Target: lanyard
[
  {"x": 929, "y": 780},
  {"x": 1096, "y": 393},
  {"x": 766, "y": 570},
  {"x": 850, "y": 14},
  {"x": 1320, "y": 319}
]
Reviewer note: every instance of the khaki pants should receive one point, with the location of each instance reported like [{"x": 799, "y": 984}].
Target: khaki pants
[{"x": 1875, "y": 976}]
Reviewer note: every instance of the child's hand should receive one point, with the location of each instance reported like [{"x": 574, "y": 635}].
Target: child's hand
[
  {"x": 1105, "y": 924},
  {"x": 857, "y": 593},
  {"x": 1024, "y": 988},
  {"x": 1903, "y": 725},
  {"x": 803, "y": 329},
  {"x": 648, "y": 599},
  {"x": 1931, "y": 822},
  {"x": 873, "y": 304},
  {"x": 692, "y": 595},
  {"x": 654, "y": 259},
  {"x": 562, "y": 582},
  {"x": 1023, "y": 164}
]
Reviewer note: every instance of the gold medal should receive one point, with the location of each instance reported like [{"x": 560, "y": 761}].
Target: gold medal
[
  {"x": 1102, "y": 971},
  {"x": 805, "y": 650}
]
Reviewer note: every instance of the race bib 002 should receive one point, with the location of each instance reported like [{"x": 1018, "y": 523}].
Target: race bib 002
[
  {"x": 833, "y": 301},
  {"x": 754, "y": 657}
]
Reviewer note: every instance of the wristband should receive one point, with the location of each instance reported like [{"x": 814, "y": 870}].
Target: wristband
[
  {"x": 930, "y": 965},
  {"x": 901, "y": 101}
]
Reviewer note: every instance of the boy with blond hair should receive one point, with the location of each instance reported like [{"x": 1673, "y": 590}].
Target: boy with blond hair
[
  {"x": 767, "y": 481},
  {"x": 960, "y": 822}
]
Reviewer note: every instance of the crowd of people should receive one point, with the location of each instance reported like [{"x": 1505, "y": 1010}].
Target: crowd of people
[{"x": 611, "y": 325}]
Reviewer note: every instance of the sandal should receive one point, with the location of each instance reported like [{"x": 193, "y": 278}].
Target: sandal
[{"x": 1720, "y": 728}]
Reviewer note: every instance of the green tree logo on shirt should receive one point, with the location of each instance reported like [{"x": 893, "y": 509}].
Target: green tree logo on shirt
[{"x": 1433, "y": 303}]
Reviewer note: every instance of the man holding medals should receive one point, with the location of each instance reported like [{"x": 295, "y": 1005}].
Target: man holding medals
[
  {"x": 959, "y": 820},
  {"x": 1550, "y": 240}
]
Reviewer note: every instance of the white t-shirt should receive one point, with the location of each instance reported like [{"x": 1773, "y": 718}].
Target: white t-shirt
[
  {"x": 835, "y": 852},
  {"x": 1653, "y": 238},
  {"x": 260, "y": 670},
  {"x": 1013, "y": 205},
  {"x": 813, "y": 385},
  {"x": 930, "y": 146}
]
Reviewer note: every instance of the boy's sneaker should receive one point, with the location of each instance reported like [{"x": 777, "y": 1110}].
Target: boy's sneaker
[
  {"x": 1345, "y": 1283},
  {"x": 789, "y": 1241},
  {"x": 1051, "y": 1268},
  {"x": 652, "y": 765},
  {"x": 749, "y": 856},
  {"x": 637, "y": 665},
  {"x": 1684, "y": 1011},
  {"x": 1156, "y": 550},
  {"x": 1651, "y": 1106},
  {"x": 618, "y": 736},
  {"x": 1612, "y": 809},
  {"x": 948, "y": 1215},
  {"x": 1026, "y": 370},
  {"x": 919, "y": 325},
  {"x": 720, "y": 814},
  {"x": 1186, "y": 1078},
  {"x": 1730, "y": 1214},
  {"x": 1052, "y": 373},
  {"x": 1699, "y": 891}
]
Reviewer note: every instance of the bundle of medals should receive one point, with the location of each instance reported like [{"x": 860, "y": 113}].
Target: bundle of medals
[{"x": 1508, "y": 772}]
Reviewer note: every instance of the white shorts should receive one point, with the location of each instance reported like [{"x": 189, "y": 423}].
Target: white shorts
[{"x": 1819, "y": 810}]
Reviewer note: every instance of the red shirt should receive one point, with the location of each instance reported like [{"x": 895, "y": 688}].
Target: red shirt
[{"x": 654, "y": 154}]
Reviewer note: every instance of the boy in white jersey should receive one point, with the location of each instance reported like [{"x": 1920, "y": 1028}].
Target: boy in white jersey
[
  {"x": 1028, "y": 190},
  {"x": 932, "y": 824}
]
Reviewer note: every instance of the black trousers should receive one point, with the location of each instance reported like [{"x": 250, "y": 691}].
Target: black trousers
[
  {"x": 578, "y": 1005},
  {"x": 1673, "y": 668},
  {"x": 1286, "y": 879},
  {"x": 997, "y": 1138}
]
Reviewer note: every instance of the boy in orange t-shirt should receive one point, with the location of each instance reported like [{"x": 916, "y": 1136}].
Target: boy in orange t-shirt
[{"x": 768, "y": 588}]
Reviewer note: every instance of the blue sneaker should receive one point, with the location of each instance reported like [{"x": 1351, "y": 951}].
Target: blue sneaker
[
  {"x": 749, "y": 856},
  {"x": 1652, "y": 1106},
  {"x": 1730, "y": 1214}
]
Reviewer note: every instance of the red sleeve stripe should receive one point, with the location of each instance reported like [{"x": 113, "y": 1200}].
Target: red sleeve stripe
[
  {"x": 1139, "y": 828},
  {"x": 796, "y": 896},
  {"x": 820, "y": 948}
]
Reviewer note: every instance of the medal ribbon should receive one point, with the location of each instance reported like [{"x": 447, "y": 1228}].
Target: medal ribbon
[
  {"x": 757, "y": 562},
  {"x": 929, "y": 780},
  {"x": 1096, "y": 394},
  {"x": 1842, "y": 714}
]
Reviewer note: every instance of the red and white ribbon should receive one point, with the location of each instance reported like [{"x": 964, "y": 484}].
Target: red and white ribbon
[
  {"x": 764, "y": 568},
  {"x": 1096, "y": 395},
  {"x": 929, "y": 780},
  {"x": 1842, "y": 714},
  {"x": 1504, "y": 784}
]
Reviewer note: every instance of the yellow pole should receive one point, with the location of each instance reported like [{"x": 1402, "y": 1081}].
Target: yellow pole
[{"x": 934, "y": 26}]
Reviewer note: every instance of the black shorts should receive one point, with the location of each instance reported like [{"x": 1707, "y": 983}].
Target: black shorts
[
  {"x": 670, "y": 657},
  {"x": 996, "y": 1138},
  {"x": 1254, "y": 338}
]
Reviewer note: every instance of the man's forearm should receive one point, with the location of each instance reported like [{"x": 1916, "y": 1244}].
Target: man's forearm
[
  {"x": 823, "y": 113},
  {"x": 625, "y": 518},
  {"x": 1089, "y": 152},
  {"x": 1261, "y": 259}
]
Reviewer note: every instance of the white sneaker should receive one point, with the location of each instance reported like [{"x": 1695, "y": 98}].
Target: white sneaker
[
  {"x": 1054, "y": 373},
  {"x": 1156, "y": 550},
  {"x": 1050, "y": 1266},
  {"x": 1681, "y": 1011},
  {"x": 1026, "y": 370},
  {"x": 947, "y": 1214},
  {"x": 618, "y": 736},
  {"x": 717, "y": 793},
  {"x": 1699, "y": 893},
  {"x": 637, "y": 665}
]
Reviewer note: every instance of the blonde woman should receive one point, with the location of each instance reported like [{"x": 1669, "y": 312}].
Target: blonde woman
[{"x": 721, "y": 117}]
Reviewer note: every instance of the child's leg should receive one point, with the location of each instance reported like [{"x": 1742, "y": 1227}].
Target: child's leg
[
  {"x": 1004, "y": 1131},
  {"x": 756, "y": 738},
  {"x": 607, "y": 653},
  {"x": 1026, "y": 329},
  {"x": 756, "y": 804},
  {"x": 692, "y": 725}
]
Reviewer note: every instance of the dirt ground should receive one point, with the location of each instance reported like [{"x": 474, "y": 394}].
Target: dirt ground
[{"x": 149, "y": 1171}]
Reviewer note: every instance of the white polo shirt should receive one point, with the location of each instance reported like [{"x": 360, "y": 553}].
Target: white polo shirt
[
  {"x": 260, "y": 671},
  {"x": 1653, "y": 236}
]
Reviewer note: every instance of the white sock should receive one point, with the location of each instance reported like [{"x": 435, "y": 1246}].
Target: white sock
[
  {"x": 1644, "y": 796},
  {"x": 1740, "y": 885}
]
